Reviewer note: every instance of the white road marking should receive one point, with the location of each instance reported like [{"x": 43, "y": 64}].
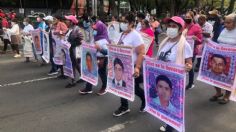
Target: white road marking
[
  {"x": 117, "y": 127},
  {"x": 27, "y": 81}
]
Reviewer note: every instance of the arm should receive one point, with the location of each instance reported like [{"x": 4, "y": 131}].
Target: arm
[{"x": 140, "y": 51}]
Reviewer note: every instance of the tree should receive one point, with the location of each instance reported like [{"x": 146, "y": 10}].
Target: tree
[{"x": 231, "y": 6}]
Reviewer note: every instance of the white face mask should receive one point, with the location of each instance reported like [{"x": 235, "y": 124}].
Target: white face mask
[
  {"x": 25, "y": 23},
  {"x": 124, "y": 26},
  {"x": 172, "y": 32}
]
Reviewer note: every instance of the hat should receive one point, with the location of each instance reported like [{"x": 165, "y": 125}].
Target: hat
[
  {"x": 48, "y": 18},
  {"x": 213, "y": 12},
  {"x": 72, "y": 18},
  {"x": 177, "y": 20}
]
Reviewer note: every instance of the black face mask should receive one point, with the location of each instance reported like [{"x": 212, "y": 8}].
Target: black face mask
[{"x": 188, "y": 21}]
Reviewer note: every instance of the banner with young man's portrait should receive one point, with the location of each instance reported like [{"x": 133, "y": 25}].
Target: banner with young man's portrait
[
  {"x": 89, "y": 66},
  {"x": 46, "y": 50},
  {"x": 120, "y": 81},
  {"x": 36, "y": 36},
  {"x": 218, "y": 66},
  {"x": 67, "y": 64},
  {"x": 164, "y": 86}
]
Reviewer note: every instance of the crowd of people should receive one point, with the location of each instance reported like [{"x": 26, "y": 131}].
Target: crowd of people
[{"x": 198, "y": 26}]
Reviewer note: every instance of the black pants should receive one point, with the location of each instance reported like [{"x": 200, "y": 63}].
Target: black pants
[
  {"x": 102, "y": 73},
  {"x": 191, "y": 73},
  {"x": 6, "y": 42},
  {"x": 138, "y": 91},
  {"x": 54, "y": 67},
  {"x": 75, "y": 62},
  {"x": 198, "y": 62}
]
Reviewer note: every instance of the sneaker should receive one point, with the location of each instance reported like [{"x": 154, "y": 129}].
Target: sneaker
[
  {"x": 163, "y": 128},
  {"x": 142, "y": 108},
  {"x": 85, "y": 91},
  {"x": 17, "y": 55},
  {"x": 121, "y": 111},
  {"x": 102, "y": 92},
  {"x": 52, "y": 73},
  {"x": 190, "y": 86}
]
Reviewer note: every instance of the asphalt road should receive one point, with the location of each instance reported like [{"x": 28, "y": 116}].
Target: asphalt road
[{"x": 31, "y": 102}]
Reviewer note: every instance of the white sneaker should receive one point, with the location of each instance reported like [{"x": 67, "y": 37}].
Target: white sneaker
[
  {"x": 162, "y": 129},
  {"x": 17, "y": 55}
]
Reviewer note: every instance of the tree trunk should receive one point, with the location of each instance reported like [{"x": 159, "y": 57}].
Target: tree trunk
[{"x": 231, "y": 6}]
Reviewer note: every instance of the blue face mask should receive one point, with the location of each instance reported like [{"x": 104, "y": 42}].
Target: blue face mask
[{"x": 95, "y": 32}]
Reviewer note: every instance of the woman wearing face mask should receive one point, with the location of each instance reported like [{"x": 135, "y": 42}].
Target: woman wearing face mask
[
  {"x": 130, "y": 37},
  {"x": 195, "y": 31},
  {"x": 101, "y": 40},
  {"x": 73, "y": 36},
  {"x": 175, "y": 49},
  {"x": 227, "y": 36},
  {"x": 147, "y": 30},
  {"x": 28, "y": 49},
  {"x": 15, "y": 37}
]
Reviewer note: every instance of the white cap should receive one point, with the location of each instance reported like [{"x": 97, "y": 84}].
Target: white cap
[{"x": 48, "y": 18}]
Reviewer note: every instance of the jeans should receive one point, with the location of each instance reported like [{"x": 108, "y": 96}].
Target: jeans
[
  {"x": 169, "y": 128},
  {"x": 138, "y": 91},
  {"x": 102, "y": 73}
]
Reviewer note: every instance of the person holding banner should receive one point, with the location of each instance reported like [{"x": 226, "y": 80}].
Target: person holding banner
[
  {"x": 195, "y": 32},
  {"x": 207, "y": 32},
  {"x": 130, "y": 37},
  {"x": 101, "y": 40},
  {"x": 146, "y": 29},
  {"x": 54, "y": 68},
  {"x": 227, "y": 36},
  {"x": 175, "y": 49},
  {"x": 75, "y": 38},
  {"x": 28, "y": 49}
]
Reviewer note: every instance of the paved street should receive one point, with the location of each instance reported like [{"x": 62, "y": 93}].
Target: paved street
[{"x": 32, "y": 102}]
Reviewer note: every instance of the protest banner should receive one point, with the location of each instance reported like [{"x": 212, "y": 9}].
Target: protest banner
[
  {"x": 164, "y": 87},
  {"x": 120, "y": 81},
  {"x": 46, "y": 52},
  {"x": 57, "y": 49},
  {"x": 218, "y": 65},
  {"x": 147, "y": 41},
  {"x": 89, "y": 67},
  {"x": 37, "y": 41},
  {"x": 67, "y": 64}
]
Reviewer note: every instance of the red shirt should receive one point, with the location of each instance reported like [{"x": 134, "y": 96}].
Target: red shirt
[{"x": 5, "y": 23}]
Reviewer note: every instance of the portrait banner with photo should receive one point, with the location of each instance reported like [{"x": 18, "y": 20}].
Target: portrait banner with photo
[
  {"x": 120, "y": 81},
  {"x": 218, "y": 65},
  {"x": 37, "y": 41},
  {"x": 164, "y": 87},
  {"x": 147, "y": 41},
  {"x": 46, "y": 52},
  {"x": 57, "y": 49},
  {"x": 89, "y": 66},
  {"x": 67, "y": 64}
]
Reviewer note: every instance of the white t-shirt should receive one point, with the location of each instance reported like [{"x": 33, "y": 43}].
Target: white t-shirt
[
  {"x": 207, "y": 28},
  {"x": 28, "y": 28},
  {"x": 133, "y": 39},
  {"x": 139, "y": 26},
  {"x": 103, "y": 45},
  {"x": 228, "y": 37},
  {"x": 171, "y": 57}
]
